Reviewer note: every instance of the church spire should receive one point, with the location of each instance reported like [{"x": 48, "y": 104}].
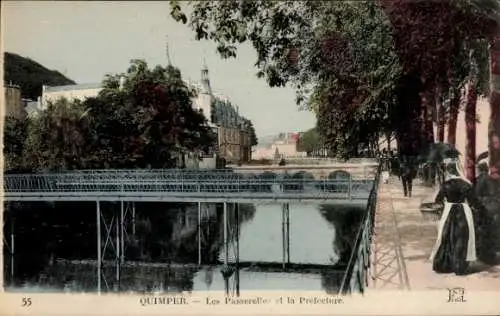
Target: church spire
[
  {"x": 167, "y": 52},
  {"x": 205, "y": 81}
]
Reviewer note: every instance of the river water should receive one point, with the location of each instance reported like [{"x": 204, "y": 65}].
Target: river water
[{"x": 55, "y": 248}]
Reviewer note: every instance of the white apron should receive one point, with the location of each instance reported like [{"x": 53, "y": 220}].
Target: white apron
[{"x": 471, "y": 244}]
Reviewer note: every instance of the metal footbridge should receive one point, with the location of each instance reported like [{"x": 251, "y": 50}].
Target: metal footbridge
[
  {"x": 227, "y": 187},
  {"x": 172, "y": 185}
]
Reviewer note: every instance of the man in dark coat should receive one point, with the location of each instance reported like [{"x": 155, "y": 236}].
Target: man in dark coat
[{"x": 408, "y": 172}]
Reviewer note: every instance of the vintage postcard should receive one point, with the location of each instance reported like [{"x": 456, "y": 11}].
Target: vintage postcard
[{"x": 250, "y": 157}]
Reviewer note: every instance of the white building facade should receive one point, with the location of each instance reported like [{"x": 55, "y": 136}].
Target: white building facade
[
  {"x": 226, "y": 121},
  {"x": 70, "y": 92},
  {"x": 203, "y": 99}
]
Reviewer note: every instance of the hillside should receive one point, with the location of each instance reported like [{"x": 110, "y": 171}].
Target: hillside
[{"x": 30, "y": 75}]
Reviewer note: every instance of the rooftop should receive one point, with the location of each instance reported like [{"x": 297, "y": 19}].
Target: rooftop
[{"x": 83, "y": 86}]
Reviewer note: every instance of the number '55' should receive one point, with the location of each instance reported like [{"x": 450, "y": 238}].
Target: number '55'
[{"x": 26, "y": 301}]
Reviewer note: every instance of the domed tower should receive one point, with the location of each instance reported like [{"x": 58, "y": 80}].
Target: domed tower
[{"x": 206, "y": 93}]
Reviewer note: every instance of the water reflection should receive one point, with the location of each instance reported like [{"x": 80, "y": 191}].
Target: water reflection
[{"x": 174, "y": 250}]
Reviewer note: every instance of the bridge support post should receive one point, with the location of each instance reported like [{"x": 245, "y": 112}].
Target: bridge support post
[
  {"x": 133, "y": 218},
  {"x": 199, "y": 233},
  {"x": 122, "y": 233},
  {"x": 285, "y": 232},
  {"x": 12, "y": 249},
  {"x": 99, "y": 259},
  {"x": 283, "y": 235},
  {"x": 119, "y": 226},
  {"x": 226, "y": 244},
  {"x": 237, "y": 255}
]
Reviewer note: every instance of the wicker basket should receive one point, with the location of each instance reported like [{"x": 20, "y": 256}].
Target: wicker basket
[{"x": 431, "y": 211}]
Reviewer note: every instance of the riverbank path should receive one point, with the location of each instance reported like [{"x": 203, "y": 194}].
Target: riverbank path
[{"x": 402, "y": 243}]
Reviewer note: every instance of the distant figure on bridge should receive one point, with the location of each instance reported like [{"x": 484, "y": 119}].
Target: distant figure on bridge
[
  {"x": 455, "y": 246},
  {"x": 408, "y": 172}
]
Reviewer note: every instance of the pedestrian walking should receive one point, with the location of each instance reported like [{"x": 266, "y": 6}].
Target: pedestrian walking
[
  {"x": 455, "y": 246},
  {"x": 394, "y": 164},
  {"x": 408, "y": 171}
]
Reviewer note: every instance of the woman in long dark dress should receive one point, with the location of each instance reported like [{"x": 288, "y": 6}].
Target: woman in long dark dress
[{"x": 455, "y": 246}]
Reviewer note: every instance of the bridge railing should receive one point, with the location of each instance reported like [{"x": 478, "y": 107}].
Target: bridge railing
[
  {"x": 171, "y": 181},
  {"x": 356, "y": 275}
]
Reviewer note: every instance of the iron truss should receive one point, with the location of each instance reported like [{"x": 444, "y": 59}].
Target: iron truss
[{"x": 179, "y": 185}]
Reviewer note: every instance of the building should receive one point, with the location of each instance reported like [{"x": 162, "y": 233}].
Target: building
[
  {"x": 70, "y": 92},
  {"x": 283, "y": 146},
  {"x": 233, "y": 139},
  {"x": 14, "y": 105}
]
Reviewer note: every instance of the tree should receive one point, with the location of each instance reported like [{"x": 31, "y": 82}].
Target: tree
[
  {"x": 494, "y": 124},
  {"x": 355, "y": 94},
  {"x": 310, "y": 141},
  {"x": 248, "y": 126},
  {"x": 147, "y": 122},
  {"x": 458, "y": 78},
  {"x": 477, "y": 13},
  {"x": 15, "y": 132},
  {"x": 478, "y": 84},
  {"x": 428, "y": 35},
  {"x": 441, "y": 115},
  {"x": 293, "y": 41},
  {"x": 322, "y": 30},
  {"x": 57, "y": 137}
]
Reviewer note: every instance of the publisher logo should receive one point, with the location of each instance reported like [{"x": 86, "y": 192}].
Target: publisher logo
[{"x": 456, "y": 295}]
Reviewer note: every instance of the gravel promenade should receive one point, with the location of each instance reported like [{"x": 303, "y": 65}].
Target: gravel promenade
[{"x": 403, "y": 241}]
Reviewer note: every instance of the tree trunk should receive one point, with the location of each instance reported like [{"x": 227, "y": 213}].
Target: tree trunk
[
  {"x": 408, "y": 129},
  {"x": 440, "y": 115},
  {"x": 441, "y": 123},
  {"x": 427, "y": 103},
  {"x": 494, "y": 124},
  {"x": 452, "y": 119},
  {"x": 429, "y": 122},
  {"x": 470, "y": 123},
  {"x": 423, "y": 117}
]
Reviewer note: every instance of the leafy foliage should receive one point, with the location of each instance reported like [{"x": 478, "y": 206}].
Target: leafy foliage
[
  {"x": 310, "y": 141},
  {"x": 355, "y": 90},
  {"x": 147, "y": 120},
  {"x": 30, "y": 75},
  {"x": 148, "y": 123},
  {"x": 433, "y": 40},
  {"x": 338, "y": 55},
  {"x": 248, "y": 125},
  {"x": 14, "y": 136},
  {"x": 57, "y": 137}
]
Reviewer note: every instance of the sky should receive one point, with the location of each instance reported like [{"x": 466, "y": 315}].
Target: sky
[{"x": 86, "y": 40}]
